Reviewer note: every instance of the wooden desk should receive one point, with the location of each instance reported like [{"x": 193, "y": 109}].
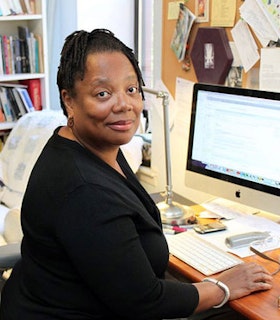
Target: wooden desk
[{"x": 259, "y": 306}]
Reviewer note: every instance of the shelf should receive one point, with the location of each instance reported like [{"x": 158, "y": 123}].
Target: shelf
[
  {"x": 20, "y": 76},
  {"x": 36, "y": 23},
  {"x": 21, "y": 17},
  {"x": 7, "y": 125}
]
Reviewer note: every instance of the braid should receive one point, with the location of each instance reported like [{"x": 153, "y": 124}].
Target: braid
[{"x": 76, "y": 48}]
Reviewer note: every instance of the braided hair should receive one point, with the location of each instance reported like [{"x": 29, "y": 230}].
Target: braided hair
[{"x": 78, "y": 45}]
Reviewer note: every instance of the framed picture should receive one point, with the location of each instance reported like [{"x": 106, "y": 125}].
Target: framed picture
[{"x": 202, "y": 10}]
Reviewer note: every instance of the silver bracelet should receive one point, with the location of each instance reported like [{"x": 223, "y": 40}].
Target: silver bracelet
[{"x": 223, "y": 287}]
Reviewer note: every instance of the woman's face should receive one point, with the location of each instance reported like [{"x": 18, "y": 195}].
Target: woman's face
[{"x": 107, "y": 103}]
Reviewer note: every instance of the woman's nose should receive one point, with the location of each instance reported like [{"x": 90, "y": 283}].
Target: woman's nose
[{"x": 122, "y": 103}]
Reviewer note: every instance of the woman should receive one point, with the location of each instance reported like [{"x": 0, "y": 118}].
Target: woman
[{"x": 93, "y": 247}]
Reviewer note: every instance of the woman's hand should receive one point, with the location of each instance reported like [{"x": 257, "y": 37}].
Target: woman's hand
[
  {"x": 245, "y": 279},
  {"x": 241, "y": 281}
]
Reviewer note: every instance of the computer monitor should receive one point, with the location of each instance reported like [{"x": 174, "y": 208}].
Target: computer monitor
[{"x": 234, "y": 145}]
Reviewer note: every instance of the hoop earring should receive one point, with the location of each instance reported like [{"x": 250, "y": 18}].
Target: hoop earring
[{"x": 70, "y": 122}]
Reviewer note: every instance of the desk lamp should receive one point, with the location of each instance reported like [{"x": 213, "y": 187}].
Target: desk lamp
[{"x": 172, "y": 212}]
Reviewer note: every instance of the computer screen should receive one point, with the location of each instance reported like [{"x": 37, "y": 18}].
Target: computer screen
[{"x": 234, "y": 145}]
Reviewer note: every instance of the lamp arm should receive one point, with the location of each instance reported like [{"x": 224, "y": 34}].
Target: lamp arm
[
  {"x": 171, "y": 212},
  {"x": 165, "y": 103},
  {"x": 169, "y": 192}
]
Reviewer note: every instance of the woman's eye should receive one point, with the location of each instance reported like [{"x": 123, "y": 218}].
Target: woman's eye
[
  {"x": 133, "y": 89},
  {"x": 103, "y": 94}
]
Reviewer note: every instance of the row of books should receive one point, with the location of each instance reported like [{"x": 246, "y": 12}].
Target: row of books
[
  {"x": 15, "y": 7},
  {"x": 15, "y": 101},
  {"x": 21, "y": 53}
]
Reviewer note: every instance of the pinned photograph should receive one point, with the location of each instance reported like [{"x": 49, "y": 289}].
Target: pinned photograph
[
  {"x": 202, "y": 10},
  {"x": 181, "y": 33}
]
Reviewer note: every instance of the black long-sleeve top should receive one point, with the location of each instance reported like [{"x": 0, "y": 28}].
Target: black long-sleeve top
[{"x": 93, "y": 247}]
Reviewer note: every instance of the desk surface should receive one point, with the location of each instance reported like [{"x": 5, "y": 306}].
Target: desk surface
[{"x": 259, "y": 306}]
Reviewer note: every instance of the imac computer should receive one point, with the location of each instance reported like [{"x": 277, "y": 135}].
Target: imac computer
[{"x": 234, "y": 145}]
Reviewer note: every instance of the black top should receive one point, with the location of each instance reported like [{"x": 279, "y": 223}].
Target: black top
[{"x": 93, "y": 247}]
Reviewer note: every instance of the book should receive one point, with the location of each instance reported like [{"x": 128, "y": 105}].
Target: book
[
  {"x": 12, "y": 84},
  {"x": 5, "y": 41},
  {"x": 32, "y": 6},
  {"x": 5, "y": 10},
  {"x": 1, "y": 57},
  {"x": 2, "y": 116},
  {"x": 8, "y": 112},
  {"x": 31, "y": 43},
  {"x": 28, "y": 7},
  {"x": 37, "y": 57},
  {"x": 17, "y": 98},
  {"x": 24, "y": 35},
  {"x": 16, "y": 6},
  {"x": 23, "y": 58},
  {"x": 11, "y": 55},
  {"x": 19, "y": 101},
  {"x": 39, "y": 50},
  {"x": 13, "y": 103},
  {"x": 34, "y": 90},
  {"x": 23, "y": 6},
  {"x": 25, "y": 99},
  {"x": 16, "y": 55}
]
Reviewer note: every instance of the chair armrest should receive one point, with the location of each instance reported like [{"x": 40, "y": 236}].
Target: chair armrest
[{"x": 9, "y": 255}]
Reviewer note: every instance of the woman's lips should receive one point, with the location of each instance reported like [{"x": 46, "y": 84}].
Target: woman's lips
[{"x": 122, "y": 125}]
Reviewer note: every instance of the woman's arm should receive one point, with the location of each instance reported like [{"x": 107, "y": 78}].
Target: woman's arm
[{"x": 240, "y": 281}]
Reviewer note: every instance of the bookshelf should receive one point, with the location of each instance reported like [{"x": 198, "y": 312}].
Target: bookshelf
[{"x": 36, "y": 24}]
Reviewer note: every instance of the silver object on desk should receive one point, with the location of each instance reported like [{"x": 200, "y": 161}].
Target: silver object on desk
[
  {"x": 172, "y": 212},
  {"x": 244, "y": 239}
]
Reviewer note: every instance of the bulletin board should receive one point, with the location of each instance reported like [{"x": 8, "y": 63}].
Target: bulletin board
[{"x": 171, "y": 67}]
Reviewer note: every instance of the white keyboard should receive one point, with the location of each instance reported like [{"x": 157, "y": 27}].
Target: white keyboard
[{"x": 200, "y": 254}]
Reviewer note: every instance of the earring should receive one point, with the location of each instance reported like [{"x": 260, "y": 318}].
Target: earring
[{"x": 70, "y": 122}]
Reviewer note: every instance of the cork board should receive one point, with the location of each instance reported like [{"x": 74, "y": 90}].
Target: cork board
[{"x": 171, "y": 67}]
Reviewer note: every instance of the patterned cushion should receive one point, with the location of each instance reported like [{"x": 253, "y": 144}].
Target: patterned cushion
[{"x": 22, "y": 149}]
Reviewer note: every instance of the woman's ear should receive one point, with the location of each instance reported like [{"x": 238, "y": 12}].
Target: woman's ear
[{"x": 67, "y": 100}]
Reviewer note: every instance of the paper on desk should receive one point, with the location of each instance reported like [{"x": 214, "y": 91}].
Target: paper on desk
[
  {"x": 209, "y": 215},
  {"x": 223, "y": 208},
  {"x": 244, "y": 223}
]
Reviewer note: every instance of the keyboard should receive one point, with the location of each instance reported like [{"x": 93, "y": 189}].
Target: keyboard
[{"x": 200, "y": 254}]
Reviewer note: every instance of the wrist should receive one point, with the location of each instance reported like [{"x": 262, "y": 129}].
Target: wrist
[{"x": 222, "y": 286}]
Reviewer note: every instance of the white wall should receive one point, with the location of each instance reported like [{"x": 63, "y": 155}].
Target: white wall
[
  {"x": 61, "y": 21},
  {"x": 66, "y": 16},
  {"x": 115, "y": 15}
]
